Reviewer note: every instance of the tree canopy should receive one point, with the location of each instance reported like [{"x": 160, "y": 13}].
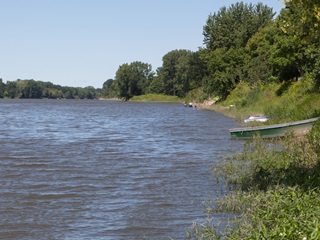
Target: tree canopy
[
  {"x": 133, "y": 79},
  {"x": 37, "y": 89},
  {"x": 226, "y": 35},
  {"x": 234, "y": 26},
  {"x": 181, "y": 71}
]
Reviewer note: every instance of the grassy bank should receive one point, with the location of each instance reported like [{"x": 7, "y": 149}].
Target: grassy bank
[
  {"x": 275, "y": 184},
  {"x": 284, "y": 102},
  {"x": 155, "y": 98}
]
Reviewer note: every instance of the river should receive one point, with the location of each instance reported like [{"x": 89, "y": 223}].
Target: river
[{"x": 89, "y": 169}]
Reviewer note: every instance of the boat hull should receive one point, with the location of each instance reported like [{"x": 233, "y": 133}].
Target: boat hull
[{"x": 273, "y": 131}]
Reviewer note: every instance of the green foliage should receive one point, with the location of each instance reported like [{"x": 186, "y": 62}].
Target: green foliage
[
  {"x": 157, "y": 86},
  {"x": 38, "y": 89},
  {"x": 155, "y": 98},
  {"x": 266, "y": 164},
  {"x": 234, "y": 26},
  {"x": 181, "y": 71},
  {"x": 299, "y": 44},
  {"x": 275, "y": 184},
  {"x": 302, "y": 20},
  {"x": 239, "y": 94},
  {"x": 287, "y": 57},
  {"x": 133, "y": 79},
  {"x": 244, "y": 43},
  {"x": 196, "y": 95},
  {"x": 258, "y": 67},
  {"x": 296, "y": 102},
  {"x": 202, "y": 231},
  {"x": 225, "y": 70},
  {"x": 285, "y": 102},
  {"x": 109, "y": 89},
  {"x": 226, "y": 34},
  {"x": 312, "y": 66},
  {"x": 2, "y": 88},
  {"x": 276, "y": 191},
  {"x": 279, "y": 213}
]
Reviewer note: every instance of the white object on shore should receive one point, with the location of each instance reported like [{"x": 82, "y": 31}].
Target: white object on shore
[{"x": 256, "y": 118}]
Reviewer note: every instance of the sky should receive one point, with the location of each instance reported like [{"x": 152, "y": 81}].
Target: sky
[{"x": 80, "y": 43}]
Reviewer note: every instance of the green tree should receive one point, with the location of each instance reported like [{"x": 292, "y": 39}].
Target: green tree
[
  {"x": 167, "y": 72},
  {"x": 29, "y": 89},
  {"x": 226, "y": 35},
  {"x": 157, "y": 85},
  {"x": 2, "y": 88},
  {"x": 11, "y": 89},
  {"x": 69, "y": 92},
  {"x": 52, "y": 93},
  {"x": 258, "y": 66},
  {"x": 38, "y": 89},
  {"x": 234, "y": 26},
  {"x": 34, "y": 89},
  {"x": 181, "y": 71},
  {"x": 225, "y": 70},
  {"x": 300, "y": 20},
  {"x": 133, "y": 79},
  {"x": 287, "y": 57},
  {"x": 90, "y": 92},
  {"x": 197, "y": 70},
  {"x": 108, "y": 89}
]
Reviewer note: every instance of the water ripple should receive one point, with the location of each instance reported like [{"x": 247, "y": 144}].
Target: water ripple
[{"x": 106, "y": 169}]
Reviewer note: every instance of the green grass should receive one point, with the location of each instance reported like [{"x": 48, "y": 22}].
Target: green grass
[
  {"x": 155, "y": 98},
  {"x": 281, "y": 102},
  {"x": 275, "y": 185},
  {"x": 275, "y": 191}
]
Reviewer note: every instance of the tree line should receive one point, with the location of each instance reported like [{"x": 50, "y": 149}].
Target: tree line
[
  {"x": 242, "y": 43},
  {"x": 38, "y": 89}
]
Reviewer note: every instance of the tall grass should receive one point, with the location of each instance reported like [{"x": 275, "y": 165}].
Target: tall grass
[
  {"x": 275, "y": 185},
  {"x": 281, "y": 102},
  {"x": 276, "y": 191}
]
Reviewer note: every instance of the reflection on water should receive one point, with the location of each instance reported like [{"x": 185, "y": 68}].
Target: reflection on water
[{"x": 74, "y": 169}]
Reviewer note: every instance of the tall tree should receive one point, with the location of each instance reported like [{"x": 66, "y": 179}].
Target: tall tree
[
  {"x": 226, "y": 34},
  {"x": 287, "y": 57},
  {"x": 181, "y": 71},
  {"x": 2, "y": 88},
  {"x": 301, "y": 20},
  {"x": 108, "y": 89},
  {"x": 133, "y": 79},
  {"x": 234, "y": 26},
  {"x": 11, "y": 89},
  {"x": 167, "y": 73},
  {"x": 29, "y": 89},
  {"x": 258, "y": 66},
  {"x": 225, "y": 71}
]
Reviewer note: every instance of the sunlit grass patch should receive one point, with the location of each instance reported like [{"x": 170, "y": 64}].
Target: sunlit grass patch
[{"x": 155, "y": 98}]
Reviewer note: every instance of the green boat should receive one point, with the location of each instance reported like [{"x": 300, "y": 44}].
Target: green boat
[{"x": 273, "y": 131}]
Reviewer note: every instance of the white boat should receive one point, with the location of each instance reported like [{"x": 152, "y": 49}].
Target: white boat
[{"x": 259, "y": 118}]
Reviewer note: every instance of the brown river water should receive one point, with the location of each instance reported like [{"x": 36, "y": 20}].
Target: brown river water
[{"x": 80, "y": 169}]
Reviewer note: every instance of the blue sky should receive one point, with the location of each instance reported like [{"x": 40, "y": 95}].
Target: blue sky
[{"x": 82, "y": 43}]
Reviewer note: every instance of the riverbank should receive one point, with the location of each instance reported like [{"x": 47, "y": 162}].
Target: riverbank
[
  {"x": 155, "y": 98},
  {"x": 275, "y": 185},
  {"x": 285, "y": 102}
]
